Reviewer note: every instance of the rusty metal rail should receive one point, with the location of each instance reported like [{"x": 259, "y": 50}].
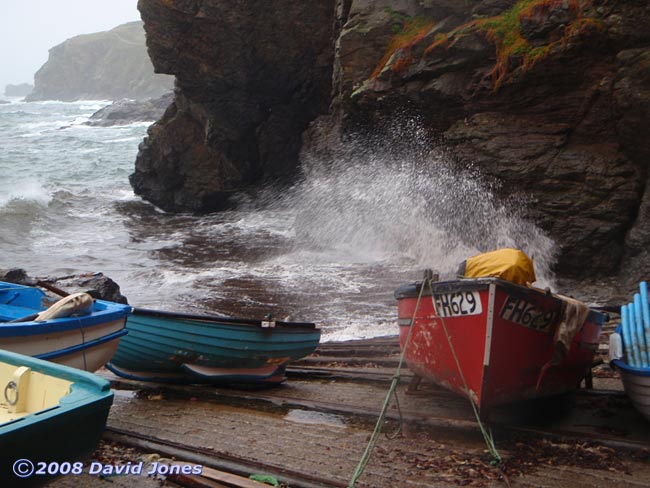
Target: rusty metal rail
[{"x": 221, "y": 461}]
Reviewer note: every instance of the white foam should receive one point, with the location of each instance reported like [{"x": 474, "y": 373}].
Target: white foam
[
  {"x": 407, "y": 201},
  {"x": 95, "y": 106},
  {"x": 122, "y": 139},
  {"x": 368, "y": 329},
  {"x": 28, "y": 190}
]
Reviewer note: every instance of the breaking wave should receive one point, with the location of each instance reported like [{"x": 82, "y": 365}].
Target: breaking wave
[{"x": 398, "y": 196}]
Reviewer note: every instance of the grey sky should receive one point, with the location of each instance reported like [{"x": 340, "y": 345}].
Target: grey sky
[{"x": 29, "y": 28}]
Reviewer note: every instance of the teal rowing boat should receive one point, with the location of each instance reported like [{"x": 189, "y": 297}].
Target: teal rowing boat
[
  {"x": 51, "y": 417},
  {"x": 174, "y": 347}
]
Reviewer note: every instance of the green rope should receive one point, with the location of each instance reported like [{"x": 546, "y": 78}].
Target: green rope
[
  {"x": 398, "y": 431},
  {"x": 487, "y": 436},
  {"x": 391, "y": 391}
]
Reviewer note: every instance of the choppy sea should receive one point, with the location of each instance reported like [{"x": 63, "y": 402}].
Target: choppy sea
[{"x": 362, "y": 219}]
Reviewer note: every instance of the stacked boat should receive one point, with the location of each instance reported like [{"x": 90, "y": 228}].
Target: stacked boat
[{"x": 630, "y": 349}]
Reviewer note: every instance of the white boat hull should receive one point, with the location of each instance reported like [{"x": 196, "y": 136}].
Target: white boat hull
[{"x": 637, "y": 388}]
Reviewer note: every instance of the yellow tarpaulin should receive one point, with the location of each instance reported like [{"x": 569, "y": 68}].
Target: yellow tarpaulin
[{"x": 508, "y": 264}]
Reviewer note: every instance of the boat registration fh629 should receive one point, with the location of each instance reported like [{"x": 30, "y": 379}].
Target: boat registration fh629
[
  {"x": 458, "y": 303},
  {"x": 523, "y": 312}
]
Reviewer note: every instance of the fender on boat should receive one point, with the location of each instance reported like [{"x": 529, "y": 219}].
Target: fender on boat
[{"x": 77, "y": 302}]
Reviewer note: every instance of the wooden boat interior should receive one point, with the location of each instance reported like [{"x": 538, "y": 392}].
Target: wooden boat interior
[{"x": 26, "y": 392}]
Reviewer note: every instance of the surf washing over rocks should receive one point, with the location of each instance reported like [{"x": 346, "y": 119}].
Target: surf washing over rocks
[
  {"x": 365, "y": 216},
  {"x": 398, "y": 197}
]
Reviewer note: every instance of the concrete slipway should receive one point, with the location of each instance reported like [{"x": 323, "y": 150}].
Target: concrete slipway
[{"x": 311, "y": 431}]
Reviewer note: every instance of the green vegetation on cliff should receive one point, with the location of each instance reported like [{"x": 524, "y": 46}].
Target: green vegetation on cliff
[
  {"x": 522, "y": 35},
  {"x": 408, "y": 32}
]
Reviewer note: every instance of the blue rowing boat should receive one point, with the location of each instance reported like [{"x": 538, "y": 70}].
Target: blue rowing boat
[
  {"x": 51, "y": 418},
  {"x": 76, "y": 331},
  {"x": 176, "y": 347}
]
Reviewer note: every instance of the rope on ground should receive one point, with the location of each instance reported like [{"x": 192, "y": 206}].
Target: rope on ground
[
  {"x": 487, "y": 436},
  {"x": 391, "y": 391}
]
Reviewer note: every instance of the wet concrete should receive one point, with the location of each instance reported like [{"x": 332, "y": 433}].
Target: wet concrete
[{"x": 313, "y": 430}]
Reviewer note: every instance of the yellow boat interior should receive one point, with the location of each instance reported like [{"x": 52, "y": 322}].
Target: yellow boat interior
[{"x": 23, "y": 391}]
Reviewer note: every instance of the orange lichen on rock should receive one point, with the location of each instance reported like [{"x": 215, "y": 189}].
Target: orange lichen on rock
[
  {"x": 399, "y": 48},
  {"x": 440, "y": 40},
  {"x": 505, "y": 32},
  {"x": 513, "y": 48}
]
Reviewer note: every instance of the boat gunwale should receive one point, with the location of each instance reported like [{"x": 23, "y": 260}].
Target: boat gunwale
[
  {"x": 74, "y": 375},
  {"x": 196, "y": 332},
  {"x": 412, "y": 290},
  {"x": 619, "y": 363},
  {"x": 62, "y": 324},
  {"x": 87, "y": 391},
  {"x": 218, "y": 319}
]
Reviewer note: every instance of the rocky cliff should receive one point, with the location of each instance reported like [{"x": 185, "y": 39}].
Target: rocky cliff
[
  {"x": 250, "y": 77},
  {"x": 549, "y": 98},
  {"x": 105, "y": 65}
]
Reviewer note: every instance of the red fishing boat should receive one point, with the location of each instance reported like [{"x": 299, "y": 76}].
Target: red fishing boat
[{"x": 496, "y": 341}]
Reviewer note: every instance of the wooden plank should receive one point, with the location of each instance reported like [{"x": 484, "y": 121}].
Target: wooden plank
[
  {"x": 231, "y": 479},
  {"x": 221, "y": 478},
  {"x": 194, "y": 481}
]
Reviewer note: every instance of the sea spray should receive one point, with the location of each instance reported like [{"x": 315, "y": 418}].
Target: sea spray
[
  {"x": 382, "y": 209},
  {"x": 400, "y": 197}
]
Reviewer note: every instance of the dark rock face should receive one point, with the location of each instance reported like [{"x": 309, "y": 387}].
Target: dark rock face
[
  {"x": 560, "y": 122},
  {"x": 16, "y": 275},
  {"x": 104, "y": 66},
  {"x": 550, "y": 99},
  {"x": 21, "y": 90},
  {"x": 125, "y": 112},
  {"x": 250, "y": 77},
  {"x": 97, "y": 285}
]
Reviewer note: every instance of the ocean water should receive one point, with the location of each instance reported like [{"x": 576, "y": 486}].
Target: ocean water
[{"x": 362, "y": 219}]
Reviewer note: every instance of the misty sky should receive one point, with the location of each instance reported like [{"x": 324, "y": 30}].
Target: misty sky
[{"x": 29, "y": 28}]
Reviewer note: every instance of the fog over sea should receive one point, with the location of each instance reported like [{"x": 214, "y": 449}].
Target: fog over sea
[{"x": 332, "y": 249}]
